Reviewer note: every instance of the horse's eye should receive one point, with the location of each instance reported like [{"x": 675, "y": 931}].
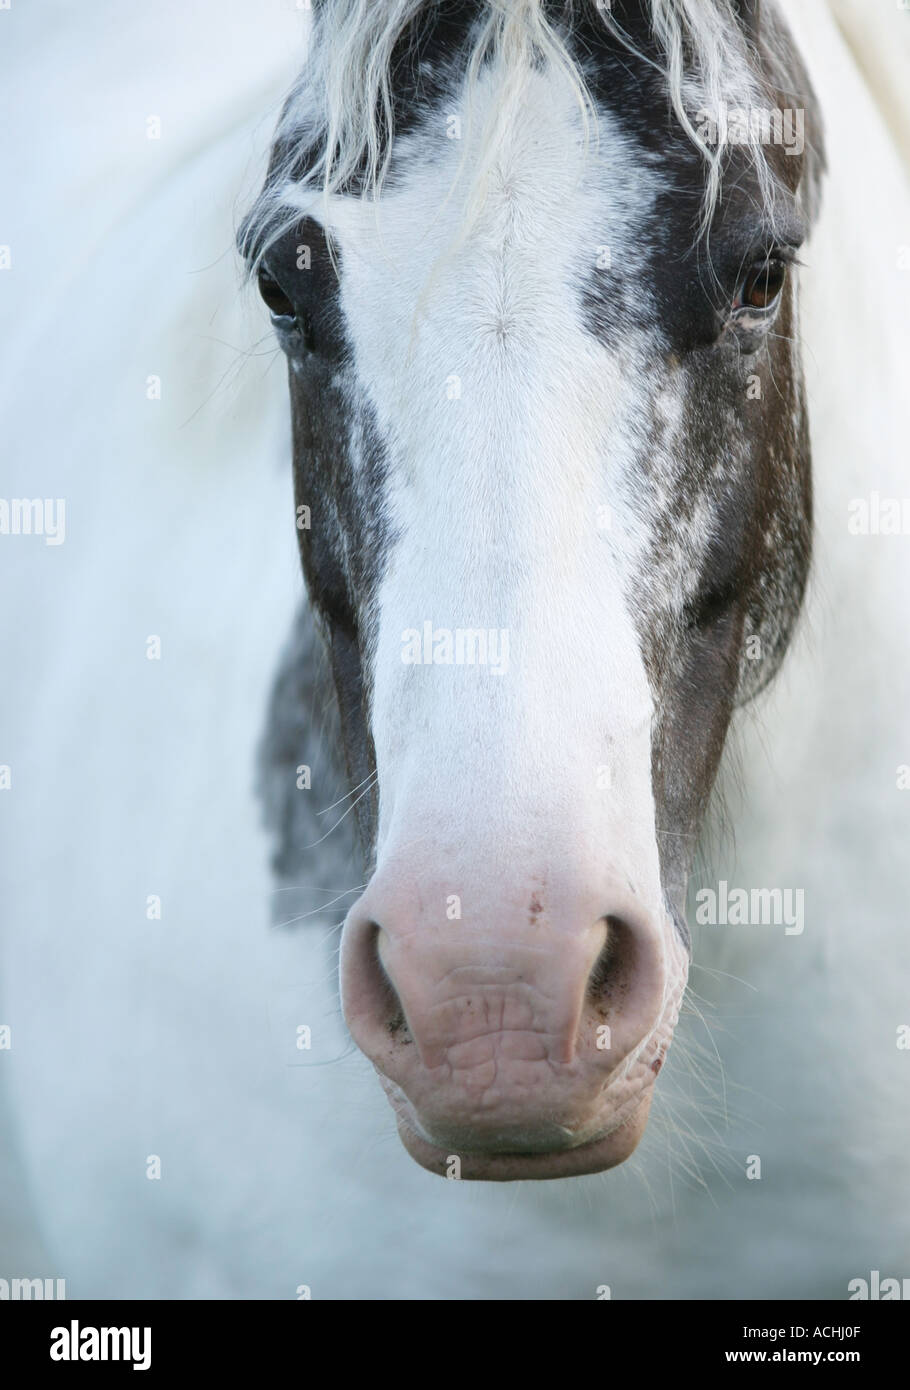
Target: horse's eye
[
  {"x": 275, "y": 299},
  {"x": 762, "y": 285}
]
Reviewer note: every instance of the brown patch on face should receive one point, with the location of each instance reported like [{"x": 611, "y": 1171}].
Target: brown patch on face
[{"x": 535, "y": 908}]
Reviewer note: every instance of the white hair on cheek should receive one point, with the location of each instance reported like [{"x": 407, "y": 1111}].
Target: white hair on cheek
[{"x": 341, "y": 109}]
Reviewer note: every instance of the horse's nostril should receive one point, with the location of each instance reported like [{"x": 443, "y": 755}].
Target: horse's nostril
[
  {"x": 611, "y": 978},
  {"x": 390, "y": 1003}
]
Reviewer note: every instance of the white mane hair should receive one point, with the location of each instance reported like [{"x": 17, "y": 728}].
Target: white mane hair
[{"x": 340, "y": 111}]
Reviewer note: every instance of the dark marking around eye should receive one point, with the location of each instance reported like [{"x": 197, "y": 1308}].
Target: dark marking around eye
[
  {"x": 274, "y": 297},
  {"x": 299, "y": 282}
]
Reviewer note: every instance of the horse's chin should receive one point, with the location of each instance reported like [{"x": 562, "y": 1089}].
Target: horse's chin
[{"x": 607, "y": 1150}]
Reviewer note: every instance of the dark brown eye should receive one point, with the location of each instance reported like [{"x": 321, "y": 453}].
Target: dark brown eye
[
  {"x": 275, "y": 299},
  {"x": 763, "y": 284}
]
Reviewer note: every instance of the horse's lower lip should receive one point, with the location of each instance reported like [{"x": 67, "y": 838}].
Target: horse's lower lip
[{"x": 595, "y": 1156}]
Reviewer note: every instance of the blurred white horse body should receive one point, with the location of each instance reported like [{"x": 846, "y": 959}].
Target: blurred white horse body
[{"x": 168, "y": 1138}]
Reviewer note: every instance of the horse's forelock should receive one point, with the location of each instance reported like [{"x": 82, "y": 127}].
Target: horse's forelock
[{"x": 340, "y": 112}]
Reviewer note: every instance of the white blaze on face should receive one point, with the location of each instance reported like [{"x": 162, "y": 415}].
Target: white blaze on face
[{"x": 505, "y": 424}]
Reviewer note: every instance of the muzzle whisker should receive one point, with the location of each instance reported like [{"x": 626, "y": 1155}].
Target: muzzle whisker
[
  {"x": 314, "y": 843},
  {"x": 370, "y": 778}
]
